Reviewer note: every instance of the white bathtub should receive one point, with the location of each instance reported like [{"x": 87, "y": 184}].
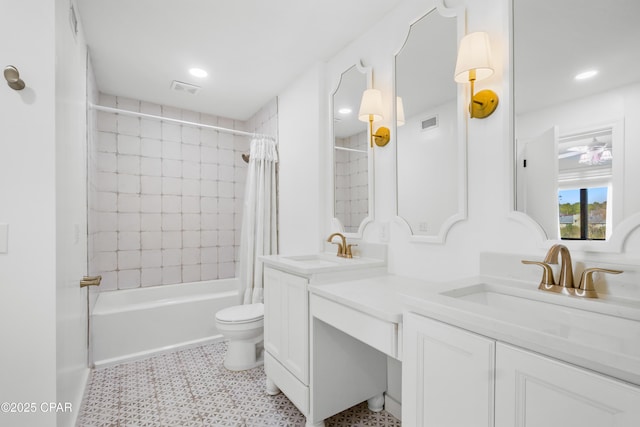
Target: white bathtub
[{"x": 136, "y": 323}]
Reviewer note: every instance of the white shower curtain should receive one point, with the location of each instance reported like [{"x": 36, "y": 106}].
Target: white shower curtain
[{"x": 259, "y": 226}]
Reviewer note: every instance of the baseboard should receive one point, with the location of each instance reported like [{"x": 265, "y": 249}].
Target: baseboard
[
  {"x": 393, "y": 407},
  {"x": 156, "y": 351}
]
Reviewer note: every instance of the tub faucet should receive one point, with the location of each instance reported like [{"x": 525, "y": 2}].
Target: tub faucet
[
  {"x": 566, "y": 270},
  {"x": 344, "y": 251}
]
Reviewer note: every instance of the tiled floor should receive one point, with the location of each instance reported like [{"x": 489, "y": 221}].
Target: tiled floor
[{"x": 192, "y": 388}]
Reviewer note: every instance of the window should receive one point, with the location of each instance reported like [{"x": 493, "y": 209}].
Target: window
[{"x": 583, "y": 213}]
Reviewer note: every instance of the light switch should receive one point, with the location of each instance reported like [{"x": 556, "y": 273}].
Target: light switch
[{"x": 4, "y": 238}]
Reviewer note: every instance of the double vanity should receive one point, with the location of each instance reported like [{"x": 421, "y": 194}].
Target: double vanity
[{"x": 482, "y": 351}]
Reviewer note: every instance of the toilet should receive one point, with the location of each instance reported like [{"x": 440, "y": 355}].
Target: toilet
[{"x": 243, "y": 327}]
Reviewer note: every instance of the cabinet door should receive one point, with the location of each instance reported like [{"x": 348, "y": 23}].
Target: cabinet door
[
  {"x": 286, "y": 321},
  {"x": 536, "y": 391},
  {"x": 447, "y": 375}
]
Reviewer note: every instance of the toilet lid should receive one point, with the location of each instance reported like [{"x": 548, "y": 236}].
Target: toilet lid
[{"x": 241, "y": 313}]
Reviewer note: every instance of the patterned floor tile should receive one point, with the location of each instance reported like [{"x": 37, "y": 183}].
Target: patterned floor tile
[{"x": 191, "y": 388}]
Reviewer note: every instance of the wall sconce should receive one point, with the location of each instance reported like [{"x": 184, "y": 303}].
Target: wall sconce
[
  {"x": 474, "y": 63},
  {"x": 371, "y": 111},
  {"x": 400, "y": 111}
]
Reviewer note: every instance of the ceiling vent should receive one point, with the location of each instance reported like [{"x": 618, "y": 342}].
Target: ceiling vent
[
  {"x": 184, "y": 87},
  {"x": 430, "y": 123}
]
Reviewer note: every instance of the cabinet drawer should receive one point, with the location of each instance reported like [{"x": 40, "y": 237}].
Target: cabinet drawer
[{"x": 377, "y": 333}]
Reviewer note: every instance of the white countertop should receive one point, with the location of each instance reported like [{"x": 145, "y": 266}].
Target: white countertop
[
  {"x": 321, "y": 263},
  {"x": 584, "y": 343}
]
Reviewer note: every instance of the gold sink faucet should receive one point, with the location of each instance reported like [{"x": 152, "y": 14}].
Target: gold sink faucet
[
  {"x": 566, "y": 284},
  {"x": 566, "y": 269},
  {"x": 344, "y": 250}
]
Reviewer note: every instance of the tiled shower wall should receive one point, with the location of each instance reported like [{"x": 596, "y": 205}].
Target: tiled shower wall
[
  {"x": 352, "y": 192},
  {"x": 168, "y": 197}
]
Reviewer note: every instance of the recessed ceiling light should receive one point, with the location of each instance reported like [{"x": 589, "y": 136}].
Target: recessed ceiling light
[
  {"x": 344, "y": 110},
  {"x": 586, "y": 75},
  {"x": 198, "y": 72}
]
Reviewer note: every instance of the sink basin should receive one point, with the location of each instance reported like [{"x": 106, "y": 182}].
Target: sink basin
[
  {"x": 594, "y": 323},
  {"x": 314, "y": 261}
]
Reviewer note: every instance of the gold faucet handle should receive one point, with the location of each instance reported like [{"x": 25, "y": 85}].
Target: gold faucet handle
[
  {"x": 587, "y": 289},
  {"x": 348, "y": 252},
  {"x": 547, "y": 273}
]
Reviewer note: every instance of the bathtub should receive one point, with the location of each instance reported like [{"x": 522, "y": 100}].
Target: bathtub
[{"x": 136, "y": 323}]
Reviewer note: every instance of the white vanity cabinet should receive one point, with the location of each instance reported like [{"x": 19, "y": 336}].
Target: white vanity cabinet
[
  {"x": 447, "y": 375},
  {"x": 286, "y": 334},
  {"x": 454, "y": 377},
  {"x": 534, "y": 390}
]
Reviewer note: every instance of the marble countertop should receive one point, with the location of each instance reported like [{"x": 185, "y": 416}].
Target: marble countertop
[{"x": 601, "y": 335}]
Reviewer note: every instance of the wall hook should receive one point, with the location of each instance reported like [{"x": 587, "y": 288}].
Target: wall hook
[{"x": 12, "y": 76}]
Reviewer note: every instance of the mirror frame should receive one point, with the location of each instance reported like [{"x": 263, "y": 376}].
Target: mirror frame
[
  {"x": 440, "y": 238},
  {"x": 336, "y": 224},
  {"x": 619, "y": 235}
]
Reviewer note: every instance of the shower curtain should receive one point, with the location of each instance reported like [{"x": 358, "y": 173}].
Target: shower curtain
[{"x": 259, "y": 226}]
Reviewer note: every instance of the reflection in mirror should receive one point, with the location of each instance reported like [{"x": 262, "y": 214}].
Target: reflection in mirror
[
  {"x": 350, "y": 152},
  {"x": 430, "y": 151},
  {"x": 576, "y": 92}
]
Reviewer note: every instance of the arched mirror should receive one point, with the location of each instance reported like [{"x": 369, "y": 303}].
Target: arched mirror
[
  {"x": 576, "y": 108},
  {"x": 352, "y": 161},
  {"x": 431, "y": 144}
]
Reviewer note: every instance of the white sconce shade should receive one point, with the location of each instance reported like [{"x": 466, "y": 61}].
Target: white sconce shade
[
  {"x": 371, "y": 105},
  {"x": 474, "y": 63},
  {"x": 400, "y": 111},
  {"x": 474, "y": 53}
]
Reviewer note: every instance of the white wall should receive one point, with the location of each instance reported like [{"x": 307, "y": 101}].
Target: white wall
[
  {"x": 301, "y": 134},
  {"x": 27, "y": 186}
]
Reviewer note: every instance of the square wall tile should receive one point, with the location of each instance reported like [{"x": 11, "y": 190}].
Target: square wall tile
[
  {"x": 128, "y": 183},
  {"x": 128, "y": 260},
  {"x": 151, "y": 276},
  {"x": 191, "y": 222},
  {"x": 150, "y": 240},
  {"x": 191, "y": 273},
  {"x": 150, "y": 129},
  {"x": 151, "y": 258},
  {"x": 150, "y": 221},
  {"x": 107, "y": 142},
  {"x": 151, "y": 147},
  {"x": 128, "y": 144},
  {"x": 191, "y": 239},
  {"x": 171, "y": 239},
  {"x": 129, "y": 279},
  {"x": 190, "y": 187},
  {"x": 128, "y": 240},
  {"x": 171, "y": 257},
  {"x": 171, "y": 275},
  {"x": 150, "y": 166},
  {"x": 171, "y": 132},
  {"x": 128, "y": 221},
  {"x": 208, "y": 271},
  {"x": 150, "y": 185}
]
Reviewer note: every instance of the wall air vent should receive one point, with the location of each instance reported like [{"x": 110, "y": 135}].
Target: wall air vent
[
  {"x": 185, "y": 87},
  {"x": 430, "y": 123}
]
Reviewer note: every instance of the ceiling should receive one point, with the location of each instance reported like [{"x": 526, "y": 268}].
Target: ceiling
[
  {"x": 555, "y": 40},
  {"x": 252, "y": 49}
]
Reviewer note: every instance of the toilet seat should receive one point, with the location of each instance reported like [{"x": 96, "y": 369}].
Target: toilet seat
[{"x": 241, "y": 313}]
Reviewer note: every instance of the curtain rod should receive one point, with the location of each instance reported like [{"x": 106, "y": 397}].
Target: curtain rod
[{"x": 184, "y": 122}]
